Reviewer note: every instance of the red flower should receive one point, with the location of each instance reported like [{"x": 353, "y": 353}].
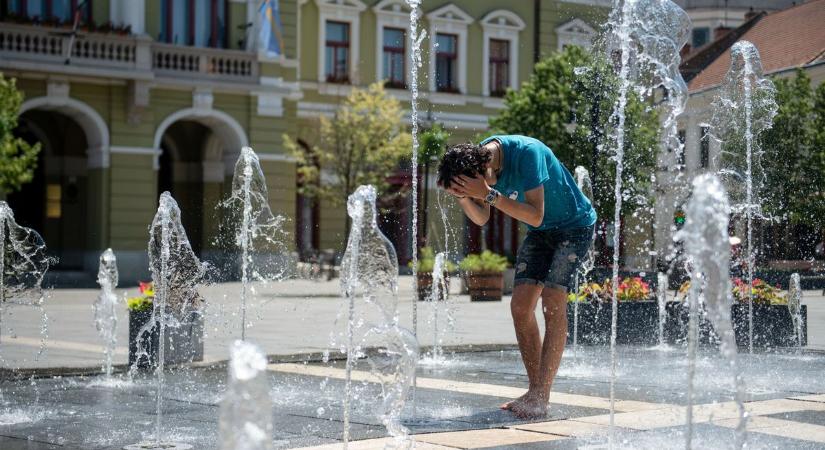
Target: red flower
[{"x": 144, "y": 286}]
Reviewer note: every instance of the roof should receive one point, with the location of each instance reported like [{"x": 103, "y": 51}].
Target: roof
[
  {"x": 785, "y": 39},
  {"x": 758, "y": 5}
]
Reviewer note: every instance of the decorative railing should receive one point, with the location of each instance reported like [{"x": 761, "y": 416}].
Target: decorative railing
[
  {"x": 133, "y": 54},
  {"x": 230, "y": 65},
  {"x": 43, "y": 44}
]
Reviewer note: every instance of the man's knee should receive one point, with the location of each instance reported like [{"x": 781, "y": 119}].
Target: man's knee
[
  {"x": 554, "y": 304},
  {"x": 521, "y": 310}
]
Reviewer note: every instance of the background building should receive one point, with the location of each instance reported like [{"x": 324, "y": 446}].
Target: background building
[{"x": 154, "y": 95}]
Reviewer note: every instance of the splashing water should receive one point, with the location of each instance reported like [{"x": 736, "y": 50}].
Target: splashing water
[
  {"x": 23, "y": 264},
  {"x": 647, "y": 35},
  {"x": 259, "y": 235},
  {"x": 369, "y": 277},
  {"x": 795, "y": 307},
  {"x": 439, "y": 295},
  {"x": 106, "y": 307},
  {"x": 246, "y": 410},
  {"x": 176, "y": 274},
  {"x": 705, "y": 235},
  {"x": 586, "y": 186},
  {"x": 746, "y": 98},
  {"x": 661, "y": 299}
]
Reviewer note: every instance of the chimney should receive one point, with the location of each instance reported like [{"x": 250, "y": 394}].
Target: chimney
[
  {"x": 750, "y": 14},
  {"x": 721, "y": 31}
]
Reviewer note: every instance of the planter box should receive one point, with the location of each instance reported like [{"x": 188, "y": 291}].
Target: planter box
[
  {"x": 772, "y": 326},
  {"x": 637, "y": 323},
  {"x": 485, "y": 287},
  {"x": 183, "y": 344},
  {"x": 425, "y": 285}
]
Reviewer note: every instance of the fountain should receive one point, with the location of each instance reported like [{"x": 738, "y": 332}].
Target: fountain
[
  {"x": 369, "y": 281},
  {"x": 176, "y": 273},
  {"x": 744, "y": 108},
  {"x": 708, "y": 251},
  {"x": 106, "y": 307},
  {"x": 439, "y": 295},
  {"x": 795, "y": 307},
  {"x": 245, "y": 421},
  {"x": 257, "y": 226},
  {"x": 647, "y": 35},
  {"x": 661, "y": 299},
  {"x": 23, "y": 264},
  {"x": 585, "y": 185}
]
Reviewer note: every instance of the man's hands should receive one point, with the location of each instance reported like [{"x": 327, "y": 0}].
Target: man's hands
[{"x": 464, "y": 186}]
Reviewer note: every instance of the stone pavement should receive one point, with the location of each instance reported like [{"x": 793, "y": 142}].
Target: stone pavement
[
  {"x": 291, "y": 317},
  {"x": 456, "y": 405}
]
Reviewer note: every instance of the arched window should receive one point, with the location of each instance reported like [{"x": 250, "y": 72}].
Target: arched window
[{"x": 199, "y": 23}]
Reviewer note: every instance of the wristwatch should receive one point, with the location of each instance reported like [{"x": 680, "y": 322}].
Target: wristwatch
[{"x": 492, "y": 197}]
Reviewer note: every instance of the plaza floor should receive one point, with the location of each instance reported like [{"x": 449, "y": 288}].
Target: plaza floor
[{"x": 456, "y": 404}]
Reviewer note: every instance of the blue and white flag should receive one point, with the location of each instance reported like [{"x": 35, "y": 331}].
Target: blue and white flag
[{"x": 270, "y": 36}]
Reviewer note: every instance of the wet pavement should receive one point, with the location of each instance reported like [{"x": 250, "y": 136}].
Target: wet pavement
[{"x": 456, "y": 404}]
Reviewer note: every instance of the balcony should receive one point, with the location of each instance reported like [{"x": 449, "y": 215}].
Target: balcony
[{"x": 41, "y": 49}]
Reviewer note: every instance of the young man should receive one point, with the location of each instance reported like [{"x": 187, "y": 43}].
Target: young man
[{"x": 521, "y": 177}]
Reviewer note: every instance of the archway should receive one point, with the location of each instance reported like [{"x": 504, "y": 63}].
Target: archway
[
  {"x": 198, "y": 153},
  {"x": 65, "y": 200}
]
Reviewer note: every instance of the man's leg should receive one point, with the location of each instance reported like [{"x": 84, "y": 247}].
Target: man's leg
[
  {"x": 523, "y": 310},
  {"x": 554, "y": 305}
]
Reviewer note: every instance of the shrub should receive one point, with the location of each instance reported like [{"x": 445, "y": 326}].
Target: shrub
[{"x": 486, "y": 262}]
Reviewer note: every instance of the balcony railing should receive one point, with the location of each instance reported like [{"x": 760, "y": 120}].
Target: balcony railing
[{"x": 133, "y": 55}]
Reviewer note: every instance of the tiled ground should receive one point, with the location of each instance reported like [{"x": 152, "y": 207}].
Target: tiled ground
[{"x": 456, "y": 405}]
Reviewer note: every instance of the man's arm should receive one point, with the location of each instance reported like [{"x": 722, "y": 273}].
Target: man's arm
[
  {"x": 530, "y": 212},
  {"x": 475, "y": 209}
]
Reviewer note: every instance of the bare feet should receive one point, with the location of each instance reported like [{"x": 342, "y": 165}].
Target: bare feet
[
  {"x": 529, "y": 406},
  {"x": 509, "y": 405}
]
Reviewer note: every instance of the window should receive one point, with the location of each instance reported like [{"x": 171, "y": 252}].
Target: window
[
  {"x": 700, "y": 37},
  {"x": 337, "y": 52},
  {"x": 499, "y": 67},
  {"x": 394, "y": 50},
  {"x": 50, "y": 10},
  {"x": 199, "y": 23},
  {"x": 704, "y": 147},
  {"x": 446, "y": 61},
  {"x": 680, "y": 155}
]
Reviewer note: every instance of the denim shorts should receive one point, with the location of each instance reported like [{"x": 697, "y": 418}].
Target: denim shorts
[{"x": 550, "y": 258}]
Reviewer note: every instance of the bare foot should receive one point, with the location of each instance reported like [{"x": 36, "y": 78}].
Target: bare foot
[
  {"x": 509, "y": 405},
  {"x": 530, "y": 406}
]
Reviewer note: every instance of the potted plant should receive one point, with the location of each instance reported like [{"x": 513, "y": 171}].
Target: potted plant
[
  {"x": 183, "y": 343},
  {"x": 772, "y": 322},
  {"x": 485, "y": 275},
  {"x": 637, "y": 320},
  {"x": 424, "y": 274}
]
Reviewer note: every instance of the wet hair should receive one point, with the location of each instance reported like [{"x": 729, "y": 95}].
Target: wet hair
[{"x": 462, "y": 159}]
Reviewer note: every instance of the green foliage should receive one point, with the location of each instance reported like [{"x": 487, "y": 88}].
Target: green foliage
[
  {"x": 426, "y": 261},
  {"x": 794, "y": 159},
  {"x": 558, "y": 106},
  {"x": 138, "y": 304},
  {"x": 18, "y": 159},
  {"x": 363, "y": 143},
  {"x": 433, "y": 143},
  {"x": 486, "y": 262}
]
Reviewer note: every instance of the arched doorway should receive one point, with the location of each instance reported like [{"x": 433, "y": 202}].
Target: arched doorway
[
  {"x": 65, "y": 199},
  {"x": 198, "y": 153},
  {"x": 54, "y": 202}
]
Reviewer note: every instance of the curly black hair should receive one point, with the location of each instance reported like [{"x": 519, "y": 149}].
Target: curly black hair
[{"x": 463, "y": 159}]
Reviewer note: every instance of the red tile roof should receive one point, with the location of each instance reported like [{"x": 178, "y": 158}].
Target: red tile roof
[{"x": 785, "y": 39}]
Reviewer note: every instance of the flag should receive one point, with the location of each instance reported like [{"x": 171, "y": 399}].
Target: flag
[{"x": 272, "y": 40}]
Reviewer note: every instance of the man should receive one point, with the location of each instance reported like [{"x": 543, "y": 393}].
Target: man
[{"x": 521, "y": 177}]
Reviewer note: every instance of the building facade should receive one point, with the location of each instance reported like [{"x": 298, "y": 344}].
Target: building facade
[{"x": 160, "y": 95}]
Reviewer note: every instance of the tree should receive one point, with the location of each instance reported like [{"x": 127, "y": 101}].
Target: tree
[
  {"x": 18, "y": 159},
  {"x": 363, "y": 143},
  {"x": 567, "y": 104},
  {"x": 794, "y": 159}
]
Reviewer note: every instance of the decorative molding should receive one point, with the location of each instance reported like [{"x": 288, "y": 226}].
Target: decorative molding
[
  {"x": 276, "y": 157},
  {"x": 202, "y": 99},
  {"x": 341, "y": 11},
  {"x": 453, "y": 20},
  {"x": 57, "y": 89},
  {"x": 232, "y": 135},
  {"x": 603, "y": 3},
  {"x": 504, "y": 25},
  {"x": 153, "y": 152},
  {"x": 575, "y": 32},
  {"x": 93, "y": 125}
]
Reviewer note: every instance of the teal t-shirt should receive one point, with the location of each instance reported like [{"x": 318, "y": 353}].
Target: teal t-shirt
[{"x": 528, "y": 164}]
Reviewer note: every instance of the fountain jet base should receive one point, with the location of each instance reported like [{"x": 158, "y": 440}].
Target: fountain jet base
[{"x": 156, "y": 446}]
